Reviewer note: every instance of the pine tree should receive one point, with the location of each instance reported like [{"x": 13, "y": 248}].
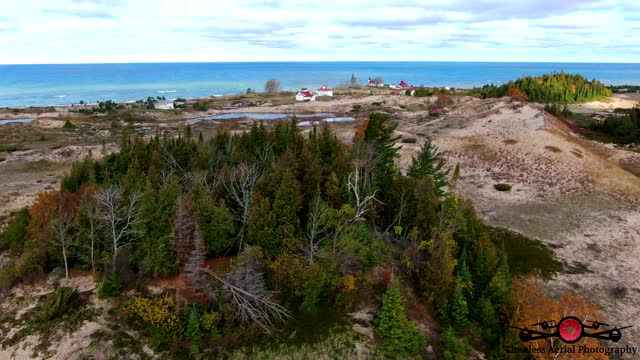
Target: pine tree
[
  {"x": 158, "y": 209},
  {"x": 438, "y": 274},
  {"x": 332, "y": 191},
  {"x": 429, "y": 163},
  {"x": 260, "y": 226},
  {"x": 285, "y": 208},
  {"x": 399, "y": 336},
  {"x": 193, "y": 331},
  {"x": 216, "y": 222},
  {"x": 459, "y": 305},
  {"x": 379, "y": 133}
]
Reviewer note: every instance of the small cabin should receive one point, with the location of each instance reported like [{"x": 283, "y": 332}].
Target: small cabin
[
  {"x": 305, "y": 95},
  {"x": 163, "y": 105},
  {"x": 324, "y": 90},
  {"x": 377, "y": 82}
]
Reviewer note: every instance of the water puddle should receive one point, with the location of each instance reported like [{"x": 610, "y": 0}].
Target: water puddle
[
  {"x": 2, "y": 122},
  {"x": 329, "y": 120},
  {"x": 326, "y": 117}
]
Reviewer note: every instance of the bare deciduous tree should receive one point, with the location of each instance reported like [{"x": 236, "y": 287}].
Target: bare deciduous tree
[
  {"x": 62, "y": 221},
  {"x": 120, "y": 216},
  {"x": 317, "y": 226},
  {"x": 263, "y": 153},
  {"x": 91, "y": 212},
  {"x": 240, "y": 187},
  {"x": 272, "y": 86},
  {"x": 244, "y": 287}
]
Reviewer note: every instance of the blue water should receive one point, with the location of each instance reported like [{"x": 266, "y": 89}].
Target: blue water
[
  {"x": 3, "y": 122},
  {"x": 40, "y": 85},
  {"x": 260, "y": 116}
]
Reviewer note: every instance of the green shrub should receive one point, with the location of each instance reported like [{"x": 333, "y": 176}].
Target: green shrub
[
  {"x": 454, "y": 348},
  {"x": 58, "y": 303},
  {"x": 30, "y": 262},
  {"x": 10, "y": 148},
  {"x": 409, "y": 140},
  {"x": 399, "y": 336},
  {"x": 502, "y": 187},
  {"x": 68, "y": 125},
  {"x": 194, "y": 330},
  {"x": 16, "y": 231},
  {"x": 201, "y": 106},
  {"x": 110, "y": 287}
]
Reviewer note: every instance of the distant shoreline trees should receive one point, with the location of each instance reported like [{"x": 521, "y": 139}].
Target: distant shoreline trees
[{"x": 548, "y": 88}]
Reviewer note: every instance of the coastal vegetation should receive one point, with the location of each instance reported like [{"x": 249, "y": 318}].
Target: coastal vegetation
[
  {"x": 264, "y": 228},
  {"x": 623, "y": 129},
  {"x": 625, "y": 89},
  {"x": 548, "y": 88}
]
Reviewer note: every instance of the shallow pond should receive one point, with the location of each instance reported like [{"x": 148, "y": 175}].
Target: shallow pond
[
  {"x": 524, "y": 255},
  {"x": 329, "y": 120},
  {"x": 259, "y": 116},
  {"x": 2, "y": 122}
]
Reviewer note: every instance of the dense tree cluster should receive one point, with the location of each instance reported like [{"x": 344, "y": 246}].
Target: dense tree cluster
[
  {"x": 303, "y": 216},
  {"x": 623, "y": 129},
  {"x": 548, "y": 88}
]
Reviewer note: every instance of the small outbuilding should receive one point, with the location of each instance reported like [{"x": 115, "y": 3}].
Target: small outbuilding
[
  {"x": 163, "y": 105},
  {"x": 305, "y": 95},
  {"x": 376, "y": 82},
  {"x": 324, "y": 90}
]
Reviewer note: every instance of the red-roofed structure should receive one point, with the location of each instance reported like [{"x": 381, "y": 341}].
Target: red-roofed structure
[
  {"x": 324, "y": 90},
  {"x": 305, "y": 95}
]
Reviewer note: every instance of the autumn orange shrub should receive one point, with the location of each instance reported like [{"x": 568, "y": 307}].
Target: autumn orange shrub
[
  {"x": 349, "y": 283},
  {"x": 516, "y": 95},
  {"x": 535, "y": 306},
  {"x": 444, "y": 101}
]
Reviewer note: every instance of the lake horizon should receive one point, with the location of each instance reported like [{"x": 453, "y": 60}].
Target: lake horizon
[{"x": 24, "y": 85}]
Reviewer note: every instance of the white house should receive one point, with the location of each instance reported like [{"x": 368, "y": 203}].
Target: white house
[
  {"x": 163, "y": 105},
  {"x": 324, "y": 90},
  {"x": 377, "y": 82},
  {"x": 305, "y": 95}
]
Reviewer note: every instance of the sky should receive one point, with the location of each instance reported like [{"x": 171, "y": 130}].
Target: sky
[{"x": 106, "y": 31}]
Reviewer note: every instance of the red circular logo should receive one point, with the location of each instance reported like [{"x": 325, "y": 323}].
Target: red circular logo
[{"x": 570, "y": 329}]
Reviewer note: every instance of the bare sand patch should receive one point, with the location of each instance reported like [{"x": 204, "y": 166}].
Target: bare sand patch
[{"x": 571, "y": 193}]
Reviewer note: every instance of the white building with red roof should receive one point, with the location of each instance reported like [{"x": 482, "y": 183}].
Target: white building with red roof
[
  {"x": 324, "y": 90},
  {"x": 305, "y": 95},
  {"x": 376, "y": 82}
]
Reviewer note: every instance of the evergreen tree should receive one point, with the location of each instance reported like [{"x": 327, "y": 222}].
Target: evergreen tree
[
  {"x": 215, "y": 220},
  {"x": 260, "y": 226},
  {"x": 438, "y": 274},
  {"x": 429, "y": 163},
  {"x": 158, "y": 209},
  {"x": 399, "y": 336},
  {"x": 285, "y": 208},
  {"x": 379, "y": 132},
  {"x": 459, "y": 305}
]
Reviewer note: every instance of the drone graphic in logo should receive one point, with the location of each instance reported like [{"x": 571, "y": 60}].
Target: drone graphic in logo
[{"x": 570, "y": 330}]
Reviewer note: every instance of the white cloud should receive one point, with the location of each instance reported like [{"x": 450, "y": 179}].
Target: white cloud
[{"x": 69, "y": 31}]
